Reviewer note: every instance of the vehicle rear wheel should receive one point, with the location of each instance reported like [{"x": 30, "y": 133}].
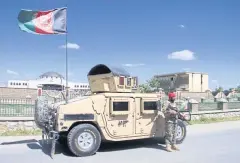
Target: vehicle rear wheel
[
  {"x": 84, "y": 140},
  {"x": 181, "y": 132}
]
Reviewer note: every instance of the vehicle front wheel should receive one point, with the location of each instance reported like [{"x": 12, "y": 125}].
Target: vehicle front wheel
[
  {"x": 181, "y": 132},
  {"x": 84, "y": 140}
]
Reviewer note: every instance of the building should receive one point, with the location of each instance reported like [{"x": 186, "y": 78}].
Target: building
[
  {"x": 184, "y": 81},
  {"x": 49, "y": 80}
]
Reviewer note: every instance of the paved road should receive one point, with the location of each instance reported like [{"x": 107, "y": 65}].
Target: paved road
[{"x": 214, "y": 143}]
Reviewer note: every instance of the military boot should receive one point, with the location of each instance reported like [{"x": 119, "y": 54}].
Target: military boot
[
  {"x": 168, "y": 148},
  {"x": 174, "y": 147}
]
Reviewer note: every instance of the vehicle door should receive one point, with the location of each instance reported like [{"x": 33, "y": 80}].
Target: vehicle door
[
  {"x": 120, "y": 120},
  {"x": 146, "y": 115}
]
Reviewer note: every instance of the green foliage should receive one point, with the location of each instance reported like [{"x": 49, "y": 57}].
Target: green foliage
[
  {"x": 154, "y": 83},
  {"x": 205, "y": 120},
  {"x": 238, "y": 89},
  {"x": 151, "y": 85},
  {"x": 219, "y": 89},
  {"x": 144, "y": 88}
]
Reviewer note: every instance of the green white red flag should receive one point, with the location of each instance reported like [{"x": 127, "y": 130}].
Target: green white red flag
[{"x": 43, "y": 22}]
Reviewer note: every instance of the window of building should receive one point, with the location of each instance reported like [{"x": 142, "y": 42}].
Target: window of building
[
  {"x": 128, "y": 81},
  {"x": 120, "y": 106},
  {"x": 121, "y": 80},
  {"x": 150, "y": 105}
]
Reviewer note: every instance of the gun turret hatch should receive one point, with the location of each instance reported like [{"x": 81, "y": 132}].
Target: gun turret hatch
[{"x": 104, "y": 78}]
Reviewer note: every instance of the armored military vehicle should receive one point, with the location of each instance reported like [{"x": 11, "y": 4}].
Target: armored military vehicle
[{"x": 114, "y": 111}]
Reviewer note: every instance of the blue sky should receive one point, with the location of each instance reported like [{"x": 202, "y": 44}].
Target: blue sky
[{"x": 139, "y": 35}]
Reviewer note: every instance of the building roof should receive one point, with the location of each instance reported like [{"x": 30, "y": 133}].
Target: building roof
[
  {"x": 179, "y": 73},
  {"x": 104, "y": 69},
  {"x": 51, "y": 74}
]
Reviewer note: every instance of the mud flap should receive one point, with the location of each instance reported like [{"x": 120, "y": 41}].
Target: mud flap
[
  {"x": 54, "y": 138},
  {"x": 53, "y": 145}
]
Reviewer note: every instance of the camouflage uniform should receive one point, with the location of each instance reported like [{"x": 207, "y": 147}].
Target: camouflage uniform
[{"x": 171, "y": 125}]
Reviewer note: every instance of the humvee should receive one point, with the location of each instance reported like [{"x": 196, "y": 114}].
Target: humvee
[{"x": 114, "y": 111}]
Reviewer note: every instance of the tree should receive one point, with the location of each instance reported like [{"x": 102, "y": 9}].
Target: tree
[
  {"x": 238, "y": 89},
  {"x": 154, "y": 83},
  {"x": 144, "y": 88},
  {"x": 219, "y": 89},
  {"x": 151, "y": 85}
]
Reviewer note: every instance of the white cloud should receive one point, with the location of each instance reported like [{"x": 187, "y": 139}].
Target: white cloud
[
  {"x": 12, "y": 72},
  {"x": 70, "y": 46},
  {"x": 214, "y": 81},
  {"x": 185, "y": 55},
  {"x": 182, "y": 26},
  {"x": 186, "y": 69},
  {"x": 133, "y": 65}
]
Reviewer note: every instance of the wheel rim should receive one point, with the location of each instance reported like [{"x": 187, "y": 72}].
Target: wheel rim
[
  {"x": 179, "y": 132},
  {"x": 85, "y": 140}
]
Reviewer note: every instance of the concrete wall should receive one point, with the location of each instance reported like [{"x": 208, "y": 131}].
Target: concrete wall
[
  {"x": 17, "y": 93},
  {"x": 198, "y": 82},
  {"x": 189, "y": 81},
  {"x": 205, "y": 84},
  {"x": 182, "y": 82}
]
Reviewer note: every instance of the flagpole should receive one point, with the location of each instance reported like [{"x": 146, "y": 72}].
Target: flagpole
[{"x": 66, "y": 42}]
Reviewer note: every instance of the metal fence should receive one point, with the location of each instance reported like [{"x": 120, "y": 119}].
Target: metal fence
[
  {"x": 25, "y": 107},
  {"x": 17, "y": 107},
  {"x": 234, "y": 105},
  {"x": 207, "y": 106}
]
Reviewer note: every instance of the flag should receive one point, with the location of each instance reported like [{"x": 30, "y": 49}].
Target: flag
[{"x": 43, "y": 22}]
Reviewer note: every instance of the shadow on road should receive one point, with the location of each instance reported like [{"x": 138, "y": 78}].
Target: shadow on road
[
  {"x": 105, "y": 147},
  {"x": 46, "y": 148},
  {"x": 19, "y": 142},
  {"x": 131, "y": 144}
]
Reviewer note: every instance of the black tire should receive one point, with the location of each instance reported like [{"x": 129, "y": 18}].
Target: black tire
[
  {"x": 72, "y": 140},
  {"x": 184, "y": 132}
]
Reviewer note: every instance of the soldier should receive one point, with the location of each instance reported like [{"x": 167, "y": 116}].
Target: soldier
[{"x": 171, "y": 123}]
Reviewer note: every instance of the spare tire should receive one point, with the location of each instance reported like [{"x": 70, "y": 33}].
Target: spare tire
[{"x": 41, "y": 112}]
